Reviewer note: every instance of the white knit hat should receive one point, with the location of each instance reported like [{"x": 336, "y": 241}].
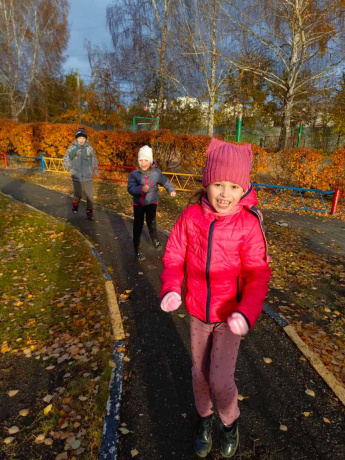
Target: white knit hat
[{"x": 145, "y": 153}]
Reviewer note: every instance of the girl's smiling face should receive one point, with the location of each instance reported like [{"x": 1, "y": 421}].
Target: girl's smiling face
[
  {"x": 224, "y": 195},
  {"x": 144, "y": 164}
]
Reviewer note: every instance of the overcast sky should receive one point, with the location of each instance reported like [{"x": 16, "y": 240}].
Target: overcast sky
[{"x": 87, "y": 21}]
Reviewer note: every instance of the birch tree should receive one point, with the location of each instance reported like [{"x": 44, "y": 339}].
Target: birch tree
[
  {"x": 33, "y": 36},
  {"x": 141, "y": 33},
  {"x": 205, "y": 40},
  {"x": 303, "y": 39}
]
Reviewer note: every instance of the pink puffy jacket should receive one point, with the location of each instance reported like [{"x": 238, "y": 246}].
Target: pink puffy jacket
[{"x": 224, "y": 260}]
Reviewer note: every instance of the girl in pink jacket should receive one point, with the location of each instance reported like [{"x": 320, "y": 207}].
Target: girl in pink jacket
[{"x": 218, "y": 248}]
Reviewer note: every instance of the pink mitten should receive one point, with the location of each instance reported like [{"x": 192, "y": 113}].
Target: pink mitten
[
  {"x": 171, "y": 301},
  {"x": 237, "y": 324}
]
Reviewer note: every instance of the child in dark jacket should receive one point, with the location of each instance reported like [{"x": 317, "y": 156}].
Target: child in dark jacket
[
  {"x": 143, "y": 186},
  {"x": 218, "y": 248},
  {"x": 81, "y": 162}
]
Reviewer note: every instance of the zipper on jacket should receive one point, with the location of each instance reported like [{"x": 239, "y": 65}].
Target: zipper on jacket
[
  {"x": 238, "y": 290},
  {"x": 208, "y": 262}
]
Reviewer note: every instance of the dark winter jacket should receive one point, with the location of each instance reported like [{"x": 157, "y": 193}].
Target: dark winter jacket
[
  {"x": 81, "y": 162},
  {"x": 153, "y": 177}
]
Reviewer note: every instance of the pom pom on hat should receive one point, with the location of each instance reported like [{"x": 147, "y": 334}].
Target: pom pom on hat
[
  {"x": 81, "y": 132},
  {"x": 228, "y": 162},
  {"x": 145, "y": 153}
]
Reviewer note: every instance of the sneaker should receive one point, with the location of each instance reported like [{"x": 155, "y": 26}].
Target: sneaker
[
  {"x": 140, "y": 256},
  {"x": 229, "y": 440},
  {"x": 203, "y": 437},
  {"x": 156, "y": 244}
]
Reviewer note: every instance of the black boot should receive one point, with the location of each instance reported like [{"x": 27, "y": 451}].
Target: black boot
[
  {"x": 203, "y": 439},
  {"x": 140, "y": 256},
  {"x": 229, "y": 440},
  {"x": 156, "y": 244},
  {"x": 89, "y": 214}
]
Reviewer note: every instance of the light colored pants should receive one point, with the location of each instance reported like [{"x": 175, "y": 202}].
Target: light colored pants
[
  {"x": 214, "y": 355},
  {"x": 87, "y": 187}
]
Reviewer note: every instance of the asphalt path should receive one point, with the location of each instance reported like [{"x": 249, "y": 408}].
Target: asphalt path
[{"x": 157, "y": 405}]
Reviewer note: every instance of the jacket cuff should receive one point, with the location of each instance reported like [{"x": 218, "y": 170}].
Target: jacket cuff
[{"x": 244, "y": 316}]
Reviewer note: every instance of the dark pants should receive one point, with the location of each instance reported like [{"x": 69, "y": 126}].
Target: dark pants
[
  {"x": 139, "y": 213},
  {"x": 87, "y": 187}
]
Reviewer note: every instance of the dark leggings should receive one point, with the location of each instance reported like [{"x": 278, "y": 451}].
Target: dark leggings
[
  {"x": 139, "y": 213},
  {"x": 87, "y": 187}
]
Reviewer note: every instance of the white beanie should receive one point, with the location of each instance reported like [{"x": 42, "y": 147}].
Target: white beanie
[{"x": 145, "y": 153}]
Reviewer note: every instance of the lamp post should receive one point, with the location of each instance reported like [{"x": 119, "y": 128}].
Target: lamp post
[
  {"x": 238, "y": 127},
  {"x": 299, "y": 134}
]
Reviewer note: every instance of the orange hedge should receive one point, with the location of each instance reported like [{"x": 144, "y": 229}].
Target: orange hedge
[{"x": 301, "y": 167}]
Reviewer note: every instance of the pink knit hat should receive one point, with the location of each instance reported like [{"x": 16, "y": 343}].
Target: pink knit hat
[{"x": 228, "y": 162}]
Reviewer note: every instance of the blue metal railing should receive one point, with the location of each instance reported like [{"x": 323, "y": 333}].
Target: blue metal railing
[
  {"x": 284, "y": 196},
  {"x": 16, "y": 161}
]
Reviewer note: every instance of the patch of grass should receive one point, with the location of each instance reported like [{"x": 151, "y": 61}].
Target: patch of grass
[{"x": 55, "y": 337}]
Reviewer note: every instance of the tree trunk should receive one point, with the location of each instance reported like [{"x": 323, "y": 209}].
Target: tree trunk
[
  {"x": 286, "y": 122},
  {"x": 162, "y": 66},
  {"x": 212, "y": 84}
]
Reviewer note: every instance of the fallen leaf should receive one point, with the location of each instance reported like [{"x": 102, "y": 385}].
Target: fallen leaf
[
  {"x": 24, "y": 412},
  {"x": 134, "y": 452},
  {"x": 181, "y": 315},
  {"x": 76, "y": 444},
  {"x": 13, "y": 430},
  {"x": 47, "y": 409},
  {"x": 12, "y": 393},
  {"x": 306, "y": 414},
  {"x": 48, "y": 398},
  {"x": 283, "y": 427},
  {"x": 124, "y": 430},
  {"x": 9, "y": 440},
  {"x": 63, "y": 456},
  {"x": 112, "y": 363},
  {"x": 126, "y": 359},
  {"x": 48, "y": 441},
  {"x": 40, "y": 438},
  {"x": 326, "y": 420},
  {"x": 310, "y": 393},
  {"x": 241, "y": 398},
  {"x": 267, "y": 360}
]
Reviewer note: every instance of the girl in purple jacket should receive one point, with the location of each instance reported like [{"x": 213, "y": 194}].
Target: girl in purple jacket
[
  {"x": 143, "y": 186},
  {"x": 218, "y": 248}
]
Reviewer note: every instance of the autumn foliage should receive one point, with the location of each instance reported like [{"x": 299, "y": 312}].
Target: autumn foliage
[{"x": 300, "y": 167}]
